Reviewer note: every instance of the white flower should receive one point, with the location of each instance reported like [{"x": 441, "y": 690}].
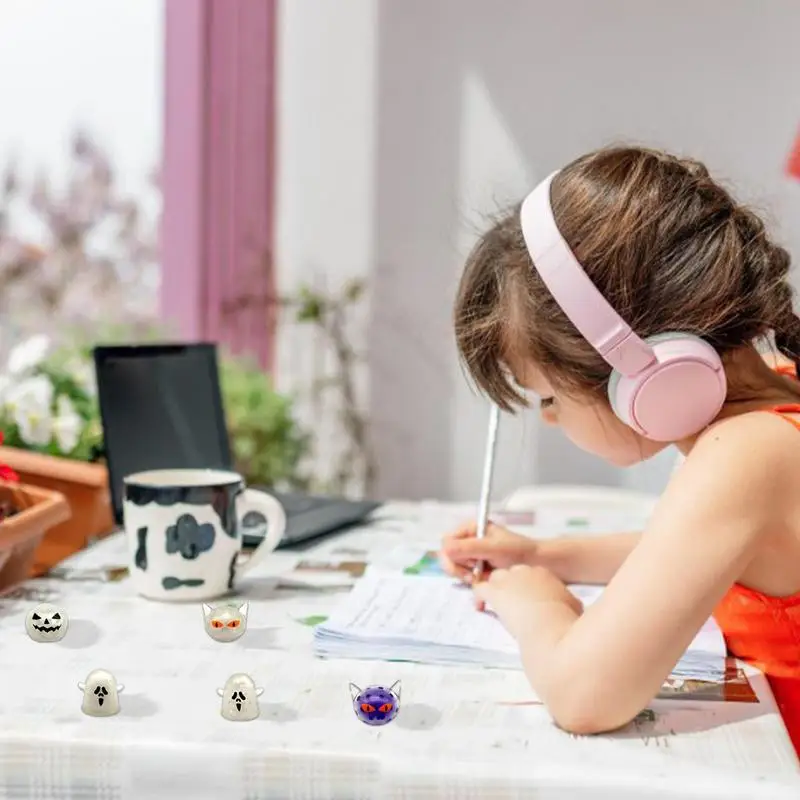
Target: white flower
[
  {"x": 66, "y": 425},
  {"x": 30, "y": 393},
  {"x": 29, "y": 403},
  {"x": 28, "y": 354},
  {"x": 34, "y": 428},
  {"x": 83, "y": 374}
]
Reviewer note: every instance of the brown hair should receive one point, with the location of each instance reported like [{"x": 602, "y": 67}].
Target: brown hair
[{"x": 668, "y": 247}]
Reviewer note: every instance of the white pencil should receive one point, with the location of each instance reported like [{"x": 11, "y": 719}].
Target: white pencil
[{"x": 486, "y": 485}]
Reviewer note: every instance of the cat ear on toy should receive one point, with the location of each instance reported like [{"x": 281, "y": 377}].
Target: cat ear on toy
[
  {"x": 243, "y": 608},
  {"x": 354, "y": 691},
  {"x": 207, "y": 609},
  {"x": 395, "y": 689}
]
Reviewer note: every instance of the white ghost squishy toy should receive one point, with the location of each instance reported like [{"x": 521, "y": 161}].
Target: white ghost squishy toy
[
  {"x": 100, "y": 694},
  {"x": 47, "y": 623},
  {"x": 240, "y": 698}
]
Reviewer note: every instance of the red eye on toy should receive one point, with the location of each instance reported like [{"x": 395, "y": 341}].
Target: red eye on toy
[
  {"x": 215, "y": 623},
  {"x": 385, "y": 708},
  {"x": 367, "y": 708},
  {"x": 234, "y": 623}
]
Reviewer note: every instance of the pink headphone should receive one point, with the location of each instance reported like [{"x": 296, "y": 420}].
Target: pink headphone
[{"x": 665, "y": 387}]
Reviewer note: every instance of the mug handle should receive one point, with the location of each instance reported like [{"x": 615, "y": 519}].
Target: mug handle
[{"x": 263, "y": 503}]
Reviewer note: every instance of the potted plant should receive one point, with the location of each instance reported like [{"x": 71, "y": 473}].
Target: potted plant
[
  {"x": 26, "y": 514},
  {"x": 268, "y": 445},
  {"x": 54, "y": 440},
  {"x": 48, "y": 409}
]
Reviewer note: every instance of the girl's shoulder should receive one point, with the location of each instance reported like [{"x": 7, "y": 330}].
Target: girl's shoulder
[
  {"x": 768, "y": 437},
  {"x": 752, "y": 459}
]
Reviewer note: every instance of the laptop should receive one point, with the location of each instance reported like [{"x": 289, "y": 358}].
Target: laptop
[{"x": 161, "y": 407}]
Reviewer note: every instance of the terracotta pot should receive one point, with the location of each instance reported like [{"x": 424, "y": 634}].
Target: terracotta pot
[
  {"x": 85, "y": 487},
  {"x": 21, "y": 534}
]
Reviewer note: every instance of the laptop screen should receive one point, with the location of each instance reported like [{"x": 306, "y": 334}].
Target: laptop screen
[{"x": 161, "y": 408}]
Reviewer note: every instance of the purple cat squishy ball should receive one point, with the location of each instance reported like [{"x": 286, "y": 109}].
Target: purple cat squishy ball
[{"x": 376, "y": 705}]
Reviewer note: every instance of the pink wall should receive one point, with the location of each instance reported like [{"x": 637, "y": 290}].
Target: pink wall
[{"x": 218, "y": 172}]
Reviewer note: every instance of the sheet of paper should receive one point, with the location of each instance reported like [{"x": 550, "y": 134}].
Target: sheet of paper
[{"x": 420, "y": 610}]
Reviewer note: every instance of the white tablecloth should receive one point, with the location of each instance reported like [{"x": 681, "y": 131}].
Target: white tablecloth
[{"x": 460, "y": 732}]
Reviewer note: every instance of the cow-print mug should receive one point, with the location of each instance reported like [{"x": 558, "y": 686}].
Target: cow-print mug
[{"x": 184, "y": 531}]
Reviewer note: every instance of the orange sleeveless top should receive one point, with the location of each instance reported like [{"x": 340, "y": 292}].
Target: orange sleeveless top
[{"x": 765, "y": 631}]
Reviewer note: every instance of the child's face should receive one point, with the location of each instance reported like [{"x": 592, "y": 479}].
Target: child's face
[{"x": 589, "y": 423}]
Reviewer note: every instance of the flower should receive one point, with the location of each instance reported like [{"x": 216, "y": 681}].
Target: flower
[
  {"x": 66, "y": 425},
  {"x": 6, "y": 473},
  {"x": 82, "y": 372},
  {"x": 49, "y": 403},
  {"x": 29, "y": 403},
  {"x": 28, "y": 354}
]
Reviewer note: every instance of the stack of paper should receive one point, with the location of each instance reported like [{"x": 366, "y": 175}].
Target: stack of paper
[{"x": 432, "y": 620}]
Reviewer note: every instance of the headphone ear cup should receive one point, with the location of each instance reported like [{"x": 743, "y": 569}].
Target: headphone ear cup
[
  {"x": 613, "y": 390},
  {"x": 675, "y": 397}
]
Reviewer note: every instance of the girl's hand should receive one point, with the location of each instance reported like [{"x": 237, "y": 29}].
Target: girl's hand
[
  {"x": 499, "y": 549},
  {"x": 511, "y": 592}
]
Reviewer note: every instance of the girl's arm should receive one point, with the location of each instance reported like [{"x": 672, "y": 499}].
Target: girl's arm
[
  {"x": 595, "y": 671},
  {"x": 590, "y": 559}
]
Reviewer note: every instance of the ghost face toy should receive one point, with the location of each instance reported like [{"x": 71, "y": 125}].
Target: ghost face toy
[
  {"x": 376, "y": 705},
  {"x": 240, "y": 698},
  {"x": 100, "y": 694},
  {"x": 226, "y": 622},
  {"x": 47, "y": 623}
]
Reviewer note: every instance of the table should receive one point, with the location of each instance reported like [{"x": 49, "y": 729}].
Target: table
[{"x": 461, "y": 732}]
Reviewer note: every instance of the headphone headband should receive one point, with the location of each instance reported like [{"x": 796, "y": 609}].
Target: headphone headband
[{"x": 574, "y": 291}]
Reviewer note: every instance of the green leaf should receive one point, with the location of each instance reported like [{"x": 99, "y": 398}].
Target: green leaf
[
  {"x": 309, "y": 310},
  {"x": 354, "y": 290},
  {"x": 313, "y": 620},
  {"x": 267, "y": 443}
]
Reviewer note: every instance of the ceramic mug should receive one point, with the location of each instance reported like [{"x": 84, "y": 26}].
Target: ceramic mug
[{"x": 184, "y": 531}]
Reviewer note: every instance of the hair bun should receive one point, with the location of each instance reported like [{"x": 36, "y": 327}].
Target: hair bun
[{"x": 771, "y": 261}]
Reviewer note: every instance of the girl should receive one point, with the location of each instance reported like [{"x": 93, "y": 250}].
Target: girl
[{"x": 674, "y": 257}]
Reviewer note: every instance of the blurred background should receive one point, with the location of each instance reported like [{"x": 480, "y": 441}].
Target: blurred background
[{"x": 301, "y": 180}]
